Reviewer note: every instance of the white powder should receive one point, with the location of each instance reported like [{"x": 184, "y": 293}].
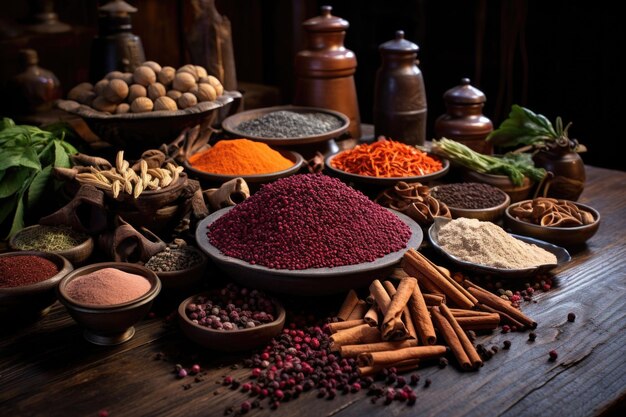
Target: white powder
[{"x": 488, "y": 244}]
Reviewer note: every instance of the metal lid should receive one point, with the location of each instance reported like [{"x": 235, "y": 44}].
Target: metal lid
[
  {"x": 399, "y": 44},
  {"x": 326, "y": 22},
  {"x": 464, "y": 94}
]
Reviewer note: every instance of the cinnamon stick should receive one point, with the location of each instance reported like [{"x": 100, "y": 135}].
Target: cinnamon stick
[
  {"x": 342, "y": 325},
  {"x": 359, "y": 311},
  {"x": 421, "y": 317},
  {"x": 378, "y": 293},
  {"x": 403, "y": 366},
  {"x": 371, "y": 317},
  {"x": 460, "y": 312},
  {"x": 503, "y": 316},
  {"x": 469, "y": 348},
  {"x": 433, "y": 299},
  {"x": 489, "y": 322},
  {"x": 354, "y": 336},
  {"x": 500, "y": 304},
  {"x": 426, "y": 285},
  {"x": 352, "y": 351},
  {"x": 394, "y": 327},
  {"x": 445, "y": 273},
  {"x": 451, "y": 338},
  {"x": 389, "y": 357},
  {"x": 348, "y": 305},
  {"x": 398, "y": 273},
  {"x": 415, "y": 263}
]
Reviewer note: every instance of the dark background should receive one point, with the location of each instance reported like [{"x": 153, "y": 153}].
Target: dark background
[{"x": 557, "y": 58}]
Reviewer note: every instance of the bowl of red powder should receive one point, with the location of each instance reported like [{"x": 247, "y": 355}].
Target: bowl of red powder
[
  {"x": 108, "y": 298},
  {"x": 307, "y": 234},
  {"x": 28, "y": 280}
]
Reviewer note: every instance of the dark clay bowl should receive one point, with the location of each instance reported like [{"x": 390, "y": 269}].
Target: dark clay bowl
[
  {"x": 185, "y": 278},
  {"x": 36, "y": 299},
  {"x": 488, "y": 214},
  {"x": 230, "y": 340},
  {"x": 563, "y": 236},
  {"x": 109, "y": 325},
  {"x": 77, "y": 255}
]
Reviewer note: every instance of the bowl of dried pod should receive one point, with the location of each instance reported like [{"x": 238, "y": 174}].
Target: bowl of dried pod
[
  {"x": 562, "y": 222},
  {"x": 151, "y": 105}
]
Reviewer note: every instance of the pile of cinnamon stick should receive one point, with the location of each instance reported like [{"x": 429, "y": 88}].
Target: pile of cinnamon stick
[{"x": 427, "y": 313}]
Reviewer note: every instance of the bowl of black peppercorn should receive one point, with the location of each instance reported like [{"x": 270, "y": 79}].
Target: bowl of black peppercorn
[{"x": 473, "y": 200}]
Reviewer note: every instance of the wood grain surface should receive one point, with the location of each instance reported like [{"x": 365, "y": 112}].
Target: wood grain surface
[{"x": 48, "y": 369}]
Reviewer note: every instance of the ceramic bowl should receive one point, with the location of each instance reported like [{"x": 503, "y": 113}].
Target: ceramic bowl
[
  {"x": 564, "y": 236},
  {"x": 231, "y": 123},
  {"x": 33, "y": 300},
  {"x": 109, "y": 324},
  {"x": 516, "y": 192},
  {"x": 77, "y": 255},
  {"x": 149, "y": 130},
  {"x": 488, "y": 214},
  {"x": 229, "y": 340},
  {"x": 185, "y": 278}
]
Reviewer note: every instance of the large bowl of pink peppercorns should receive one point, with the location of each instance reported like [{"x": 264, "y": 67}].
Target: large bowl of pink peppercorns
[{"x": 232, "y": 318}]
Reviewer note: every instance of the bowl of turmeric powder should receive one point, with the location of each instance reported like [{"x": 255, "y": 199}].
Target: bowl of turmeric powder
[{"x": 255, "y": 162}]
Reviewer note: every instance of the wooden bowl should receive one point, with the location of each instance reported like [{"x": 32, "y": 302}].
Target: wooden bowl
[
  {"x": 185, "y": 278},
  {"x": 77, "y": 255},
  {"x": 109, "y": 324},
  {"x": 488, "y": 214},
  {"x": 563, "y": 236},
  {"x": 229, "y": 340},
  {"x": 516, "y": 192},
  {"x": 36, "y": 299}
]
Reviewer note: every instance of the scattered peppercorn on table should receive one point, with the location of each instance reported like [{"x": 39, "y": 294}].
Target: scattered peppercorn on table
[{"x": 573, "y": 363}]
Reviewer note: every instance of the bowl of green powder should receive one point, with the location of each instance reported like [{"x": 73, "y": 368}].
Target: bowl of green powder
[{"x": 75, "y": 246}]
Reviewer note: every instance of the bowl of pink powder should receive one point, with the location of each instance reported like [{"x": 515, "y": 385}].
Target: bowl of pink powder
[{"x": 108, "y": 298}]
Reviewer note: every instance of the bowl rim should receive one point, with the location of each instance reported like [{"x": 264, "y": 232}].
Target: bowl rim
[
  {"x": 63, "y": 264},
  {"x": 230, "y": 124},
  {"x": 387, "y": 180},
  {"x": 202, "y": 264},
  {"x": 280, "y": 317},
  {"x": 295, "y": 157},
  {"x": 155, "y": 287},
  {"x": 502, "y": 206},
  {"x": 88, "y": 243},
  {"x": 595, "y": 213}
]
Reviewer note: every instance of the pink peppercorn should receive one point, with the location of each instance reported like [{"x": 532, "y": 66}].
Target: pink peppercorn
[
  {"x": 553, "y": 355},
  {"x": 103, "y": 413},
  {"x": 195, "y": 369}
]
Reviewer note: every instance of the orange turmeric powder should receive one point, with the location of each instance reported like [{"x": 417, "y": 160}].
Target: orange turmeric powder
[{"x": 239, "y": 157}]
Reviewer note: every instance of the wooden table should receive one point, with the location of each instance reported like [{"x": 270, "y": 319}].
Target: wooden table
[{"x": 48, "y": 369}]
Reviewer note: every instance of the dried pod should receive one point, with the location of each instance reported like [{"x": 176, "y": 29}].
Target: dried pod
[
  {"x": 155, "y": 91},
  {"x": 114, "y": 75},
  {"x": 144, "y": 75},
  {"x": 190, "y": 69},
  {"x": 174, "y": 94},
  {"x": 141, "y": 105},
  {"x": 187, "y": 100},
  {"x": 165, "y": 103},
  {"x": 99, "y": 87},
  {"x": 200, "y": 71},
  {"x": 166, "y": 76},
  {"x": 116, "y": 91},
  {"x": 205, "y": 92},
  {"x": 183, "y": 81},
  {"x": 102, "y": 104},
  {"x": 122, "y": 108},
  {"x": 154, "y": 65},
  {"x": 135, "y": 91}
]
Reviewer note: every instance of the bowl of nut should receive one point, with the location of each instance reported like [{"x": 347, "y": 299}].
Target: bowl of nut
[
  {"x": 151, "y": 105},
  {"x": 231, "y": 319}
]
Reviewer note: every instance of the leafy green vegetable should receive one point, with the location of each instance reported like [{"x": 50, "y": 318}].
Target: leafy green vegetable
[
  {"x": 515, "y": 166},
  {"x": 27, "y": 156}
]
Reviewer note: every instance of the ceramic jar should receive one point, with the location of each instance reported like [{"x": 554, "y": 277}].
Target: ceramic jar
[
  {"x": 325, "y": 69},
  {"x": 34, "y": 89},
  {"x": 464, "y": 120},
  {"x": 399, "y": 93}
]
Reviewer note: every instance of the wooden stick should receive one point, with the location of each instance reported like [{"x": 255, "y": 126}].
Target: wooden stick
[
  {"x": 352, "y": 351},
  {"x": 354, "y": 336},
  {"x": 469, "y": 348},
  {"x": 499, "y": 304},
  {"x": 342, "y": 325},
  {"x": 348, "y": 305},
  {"x": 359, "y": 311},
  {"x": 389, "y": 357},
  {"x": 371, "y": 317},
  {"x": 445, "y": 273},
  {"x": 451, "y": 338},
  {"x": 378, "y": 292},
  {"x": 421, "y": 317}
]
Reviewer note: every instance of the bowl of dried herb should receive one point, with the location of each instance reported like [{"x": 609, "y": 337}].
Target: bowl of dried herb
[{"x": 75, "y": 246}]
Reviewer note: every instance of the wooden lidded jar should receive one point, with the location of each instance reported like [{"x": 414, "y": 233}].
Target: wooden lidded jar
[
  {"x": 325, "y": 69},
  {"x": 464, "y": 120},
  {"x": 399, "y": 93}
]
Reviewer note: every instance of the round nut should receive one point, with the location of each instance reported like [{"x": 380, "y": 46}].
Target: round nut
[
  {"x": 99, "y": 87},
  {"x": 154, "y": 65},
  {"x": 144, "y": 75},
  {"x": 219, "y": 88},
  {"x": 165, "y": 103},
  {"x": 183, "y": 81},
  {"x": 114, "y": 75},
  {"x": 205, "y": 92},
  {"x": 136, "y": 90},
  {"x": 155, "y": 91},
  {"x": 77, "y": 90},
  {"x": 141, "y": 105},
  {"x": 122, "y": 108},
  {"x": 127, "y": 77},
  {"x": 187, "y": 100},
  {"x": 103, "y": 105},
  {"x": 201, "y": 71},
  {"x": 116, "y": 91},
  {"x": 85, "y": 97},
  {"x": 174, "y": 94},
  {"x": 166, "y": 76},
  {"x": 189, "y": 68}
]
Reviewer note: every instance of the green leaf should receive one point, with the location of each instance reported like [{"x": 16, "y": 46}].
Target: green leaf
[
  {"x": 60, "y": 156},
  {"x": 18, "y": 217},
  {"x": 13, "y": 181},
  {"x": 19, "y": 157},
  {"x": 523, "y": 127},
  {"x": 38, "y": 186},
  {"x": 6, "y": 123}
]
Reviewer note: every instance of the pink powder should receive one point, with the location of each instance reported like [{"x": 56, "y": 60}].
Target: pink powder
[{"x": 107, "y": 286}]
